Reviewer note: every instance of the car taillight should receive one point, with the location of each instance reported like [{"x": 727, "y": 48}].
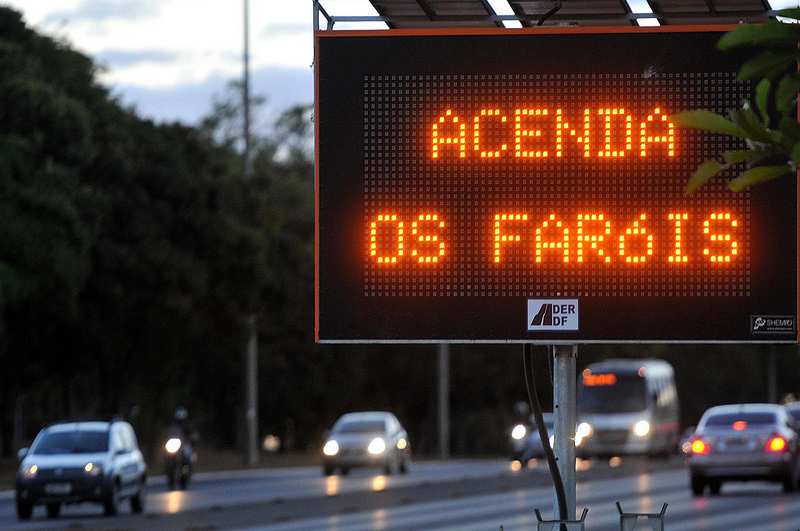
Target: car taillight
[
  {"x": 700, "y": 447},
  {"x": 776, "y": 444}
]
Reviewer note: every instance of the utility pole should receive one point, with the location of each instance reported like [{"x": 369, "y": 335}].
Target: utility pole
[{"x": 252, "y": 344}]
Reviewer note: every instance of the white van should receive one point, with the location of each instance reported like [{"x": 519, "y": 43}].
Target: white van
[{"x": 627, "y": 406}]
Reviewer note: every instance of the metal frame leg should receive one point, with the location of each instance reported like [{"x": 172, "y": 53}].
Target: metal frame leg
[
  {"x": 564, "y": 525},
  {"x": 627, "y": 521}
]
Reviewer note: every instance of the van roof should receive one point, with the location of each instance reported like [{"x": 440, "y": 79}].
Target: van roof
[{"x": 632, "y": 364}]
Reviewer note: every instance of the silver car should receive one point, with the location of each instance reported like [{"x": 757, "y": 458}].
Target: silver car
[
  {"x": 368, "y": 438},
  {"x": 744, "y": 442},
  {"x": 81, "y": 462}
]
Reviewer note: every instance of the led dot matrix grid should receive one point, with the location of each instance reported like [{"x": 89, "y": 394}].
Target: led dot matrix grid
[{"x": 552, "y": 185}]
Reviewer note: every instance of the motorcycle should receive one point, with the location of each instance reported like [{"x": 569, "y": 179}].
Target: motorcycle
[{"x": 179, "y": 462}]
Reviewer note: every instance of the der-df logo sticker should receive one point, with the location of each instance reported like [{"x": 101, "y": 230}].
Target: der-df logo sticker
[{"x": 552, "y": 314}]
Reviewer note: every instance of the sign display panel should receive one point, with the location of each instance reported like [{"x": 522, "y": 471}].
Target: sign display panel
[{"x": 529, "y": 186}]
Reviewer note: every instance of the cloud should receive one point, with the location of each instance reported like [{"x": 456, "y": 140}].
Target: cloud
[
  {"x": 278, "y": 30},
  {"x": 99, "y": 11},
  {"x": 189, "y": 103},
  {"x": 125, "y": 58}
]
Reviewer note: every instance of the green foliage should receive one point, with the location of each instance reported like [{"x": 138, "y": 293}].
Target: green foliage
[
  {"x": 772, "y": 151},
  {"x": 128, "y": 250}
]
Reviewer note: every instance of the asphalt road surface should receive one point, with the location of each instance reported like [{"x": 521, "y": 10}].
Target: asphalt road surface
[{"x": 467, "y": 495}]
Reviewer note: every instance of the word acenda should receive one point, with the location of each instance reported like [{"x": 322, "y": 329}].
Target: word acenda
[
  {"x": 542, "y": 133},
  {"x": 587, "y": 237}
]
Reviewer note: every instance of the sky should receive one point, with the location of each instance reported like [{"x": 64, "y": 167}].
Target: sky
[{"x": 170, "y": 58}]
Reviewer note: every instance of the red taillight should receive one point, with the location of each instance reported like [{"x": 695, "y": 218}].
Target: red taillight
[
  {"x": 700, "y": 447},
  {"x": 776, "y": 444}
]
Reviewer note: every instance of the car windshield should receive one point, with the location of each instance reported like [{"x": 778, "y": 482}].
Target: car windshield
[
  {"x": 361, "y": 426},
  {"x": 728, "y": 420},
  {"x": 613, "y": 393},
  {"x": 72, "y": 442}
]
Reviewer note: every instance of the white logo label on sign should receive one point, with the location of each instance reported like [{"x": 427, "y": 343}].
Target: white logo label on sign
[{"x": 552, "y": 314}]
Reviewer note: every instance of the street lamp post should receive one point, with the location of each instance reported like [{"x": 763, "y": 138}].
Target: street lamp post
[{"x": 252, "y": 344}]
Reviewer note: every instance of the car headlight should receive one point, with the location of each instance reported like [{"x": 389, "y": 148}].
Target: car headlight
[
  {"x": 93, "y": 469},
  {"x": 402, "y": 444},
  {"x": 30, "y": 471},
  {"x": 518, "y": 432},
  {"x": 377, "y": 446},
  {"x": 641, "y": 428},
  {"x": 331, "y": 448}
]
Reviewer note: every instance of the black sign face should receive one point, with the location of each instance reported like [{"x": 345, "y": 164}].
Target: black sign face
[{"x": 528, "y": 186}]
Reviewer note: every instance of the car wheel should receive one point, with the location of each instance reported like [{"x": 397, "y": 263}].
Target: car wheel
[
  {"x": 137, "y": 500},
  {"x": 698, "y": 486},
  {"x": 111, "y": 504},
  {"x": 404, "y": 463},
  {"x": 24, "y": 510},
  {"x": 53, "y": 510},
  {"x": 345, "y": 470},
  {"x": 327, "y": 470},
  {"x": 714, "y": 487}
]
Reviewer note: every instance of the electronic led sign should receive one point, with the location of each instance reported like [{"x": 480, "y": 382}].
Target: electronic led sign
[{"x": 528, "y": 186}]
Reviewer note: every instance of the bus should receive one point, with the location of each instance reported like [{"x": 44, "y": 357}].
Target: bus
[{"x": 627, "y": 406}]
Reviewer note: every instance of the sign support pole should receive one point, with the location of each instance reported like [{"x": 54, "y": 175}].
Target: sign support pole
[
  {"x": 564, "y": 420},
  {"x": 444, "y": 400}
]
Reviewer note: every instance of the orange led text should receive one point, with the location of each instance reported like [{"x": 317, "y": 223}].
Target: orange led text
[
  {"x": 593, "y": 236},
  {"x": 588, "y": 237},
  {"x": 418, "y": 236},
  {"x": 542, "y": 133}
]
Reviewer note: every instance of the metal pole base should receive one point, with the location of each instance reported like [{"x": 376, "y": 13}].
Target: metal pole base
[
  {"x": 564, "y": 525},
  {"x": 627, "y": 521}
]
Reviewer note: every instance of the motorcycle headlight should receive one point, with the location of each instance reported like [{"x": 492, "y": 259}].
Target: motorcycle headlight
[
  {"x": 377, "y": 446},
  {"x": 173, "y": 445},
  {"x": 93, "y": 469},
  {"x": 518, "y": 432},
  {"x": 331, "y": 448}
]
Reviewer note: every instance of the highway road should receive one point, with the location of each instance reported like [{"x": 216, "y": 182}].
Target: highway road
[{"x": 468, "y": 495}]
